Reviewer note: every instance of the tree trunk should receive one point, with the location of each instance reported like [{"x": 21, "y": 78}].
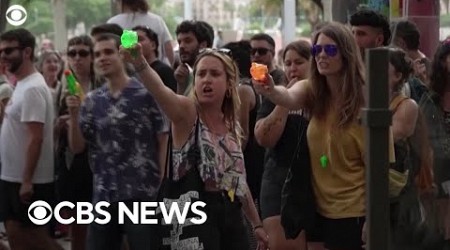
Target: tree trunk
[
  {"x": 114, "y": 10},
  {"x": 327, "y": 12},
  {"x": 342, "y": 9},
  {"x": 59, "y": 22},
  {"x": 4, "y": 4}
]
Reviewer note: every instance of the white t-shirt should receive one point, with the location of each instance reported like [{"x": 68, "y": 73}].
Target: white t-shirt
[
  {"x": 31, "y": 102},
  {"x": 150, "y": 20}
]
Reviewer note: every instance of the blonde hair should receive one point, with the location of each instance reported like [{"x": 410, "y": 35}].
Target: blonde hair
[
  {"x": 231, "y": 101},
  {"x": 351, "y": 98}
]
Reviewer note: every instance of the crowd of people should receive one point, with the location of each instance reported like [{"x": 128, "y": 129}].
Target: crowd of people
[{"x": 281, "y": 161}]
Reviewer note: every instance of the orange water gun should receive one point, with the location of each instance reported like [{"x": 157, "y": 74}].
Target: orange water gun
[{"x": 258, "y": 72}]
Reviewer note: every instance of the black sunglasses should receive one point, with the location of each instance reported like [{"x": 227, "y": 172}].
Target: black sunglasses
[
  {"x": 261, "y": 51},
  {"x": 221, "y": 50},
  {"x": 330, "y": 49},
  {"x": 81, "y": 53},
  {"x": 9, "y": 50}
]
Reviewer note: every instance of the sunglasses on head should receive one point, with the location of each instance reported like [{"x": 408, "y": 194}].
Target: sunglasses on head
[
  {"x": 330, "y": 49},
  {"x": 81, "y": 53},
  {"x": 221, "y": 51},
  {"x": 261, "y": 51},
  {"x": 9, "y": 50}
]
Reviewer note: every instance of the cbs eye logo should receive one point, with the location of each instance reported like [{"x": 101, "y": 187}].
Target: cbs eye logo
[
  {"x": 40, "y": 212},
  {"x": 16, "y": 15}
]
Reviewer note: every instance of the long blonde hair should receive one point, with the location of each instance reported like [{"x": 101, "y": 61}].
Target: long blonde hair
[
  {"x": 231, "y": 101},
  {"x": 351, "y": 98}
]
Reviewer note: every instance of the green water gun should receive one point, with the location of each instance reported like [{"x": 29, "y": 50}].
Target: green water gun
[
  {"x": 128, "y": 39},
  {"x": 72, "y": 85}
]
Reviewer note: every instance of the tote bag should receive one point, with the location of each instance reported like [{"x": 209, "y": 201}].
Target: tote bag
[{"x": 189, "y": 188}]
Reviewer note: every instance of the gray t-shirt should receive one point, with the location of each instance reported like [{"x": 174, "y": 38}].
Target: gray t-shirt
[{"x": 150, "y": 20}]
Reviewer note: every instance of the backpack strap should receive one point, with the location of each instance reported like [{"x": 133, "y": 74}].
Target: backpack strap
[{"x": 395, "y": 103}]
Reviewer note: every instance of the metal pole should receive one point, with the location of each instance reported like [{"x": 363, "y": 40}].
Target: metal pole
[
  {"x": 289, "y": 21},
  {"x": 377, "y": 119}
]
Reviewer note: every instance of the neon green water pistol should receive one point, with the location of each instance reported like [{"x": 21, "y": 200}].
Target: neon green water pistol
[{"x": 73, "y": 86}]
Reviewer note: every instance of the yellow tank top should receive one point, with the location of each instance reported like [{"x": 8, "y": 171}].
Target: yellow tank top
[{"x": 339, "y": 186}]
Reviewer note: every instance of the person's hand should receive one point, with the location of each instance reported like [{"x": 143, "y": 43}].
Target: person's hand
[
  {"x": 73, "y": 105},
  {"x": 420, "y": 69},
  {"x": 262, "y": 238},
  {"x": 264, "y": 87},
  {"x": 26, "y": 192},
  {"x": 133, "y": 55},
  {"x": 182, "y": 74},
  {"x": 61, "y": 122}
]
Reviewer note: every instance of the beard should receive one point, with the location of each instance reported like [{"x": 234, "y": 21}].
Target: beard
[
  {"x": 14, "y": 64},
  {"x": 189, "y": 58}
]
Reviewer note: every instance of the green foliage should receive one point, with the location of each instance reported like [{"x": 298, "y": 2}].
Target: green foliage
[
  {"x": 445, "y": 20},
  {"x": 172, "y": 15},
  {"x": 91, "y": 12},
  {"x": 39, "y": 16}
]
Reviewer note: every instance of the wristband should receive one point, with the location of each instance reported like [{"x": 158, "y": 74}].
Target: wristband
[
  {"x": 257, "y": 226},
  {"x": 141, "y": 67}
]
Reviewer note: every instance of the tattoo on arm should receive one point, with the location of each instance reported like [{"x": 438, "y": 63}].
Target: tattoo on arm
[{"x": 270, "y": 125}]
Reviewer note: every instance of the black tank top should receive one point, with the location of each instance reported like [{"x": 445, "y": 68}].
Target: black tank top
[{"x": 253, "y": 153}]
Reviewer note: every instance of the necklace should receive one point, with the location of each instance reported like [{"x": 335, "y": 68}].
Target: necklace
[{"x": 324, "y": 160}]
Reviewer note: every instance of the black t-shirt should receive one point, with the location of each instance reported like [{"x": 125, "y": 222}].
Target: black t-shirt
[
  {"x": 283, "y": 154},
  {"x": 166, "y": 74},
  {"x": 253, "y": 152},
  {"x": 284, "y": 151},
  {"x": 279, "y": 77}
]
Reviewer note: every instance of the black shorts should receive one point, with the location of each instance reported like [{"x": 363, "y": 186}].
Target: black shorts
[
  {"x": 338, "y": 233},
  {"x": 271, "y": 187},
  {"x": 73, "y": 184},
  {"x": 12, "y": 208}
]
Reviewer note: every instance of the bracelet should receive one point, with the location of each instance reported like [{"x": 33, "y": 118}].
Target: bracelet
[
  {"x": 141, "y": 67},
  {"x": 256, "y": 227}
]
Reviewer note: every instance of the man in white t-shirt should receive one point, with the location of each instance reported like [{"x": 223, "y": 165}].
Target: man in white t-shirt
[
  {"x": 26, "y": 144},
  {"x": 136, "y": 13}
]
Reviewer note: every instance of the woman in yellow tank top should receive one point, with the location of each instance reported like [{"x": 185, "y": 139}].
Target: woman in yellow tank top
[{"x": 334, "y": 96}]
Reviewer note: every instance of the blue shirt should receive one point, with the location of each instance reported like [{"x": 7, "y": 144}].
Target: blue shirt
[{"x": 122, "y": 139}]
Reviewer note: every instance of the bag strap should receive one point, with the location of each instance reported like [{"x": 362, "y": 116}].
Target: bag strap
[
  {"x": 169, "y": 157},
  {"x": 395, "y": 103},
  {"x": 197, "y": 131}
]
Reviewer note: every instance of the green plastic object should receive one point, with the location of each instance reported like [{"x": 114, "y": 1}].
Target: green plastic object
[
  {"x": 129, "y": 38},
  {"x": 324, "y": 161},
  {"x": 71, "y": 83}
]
